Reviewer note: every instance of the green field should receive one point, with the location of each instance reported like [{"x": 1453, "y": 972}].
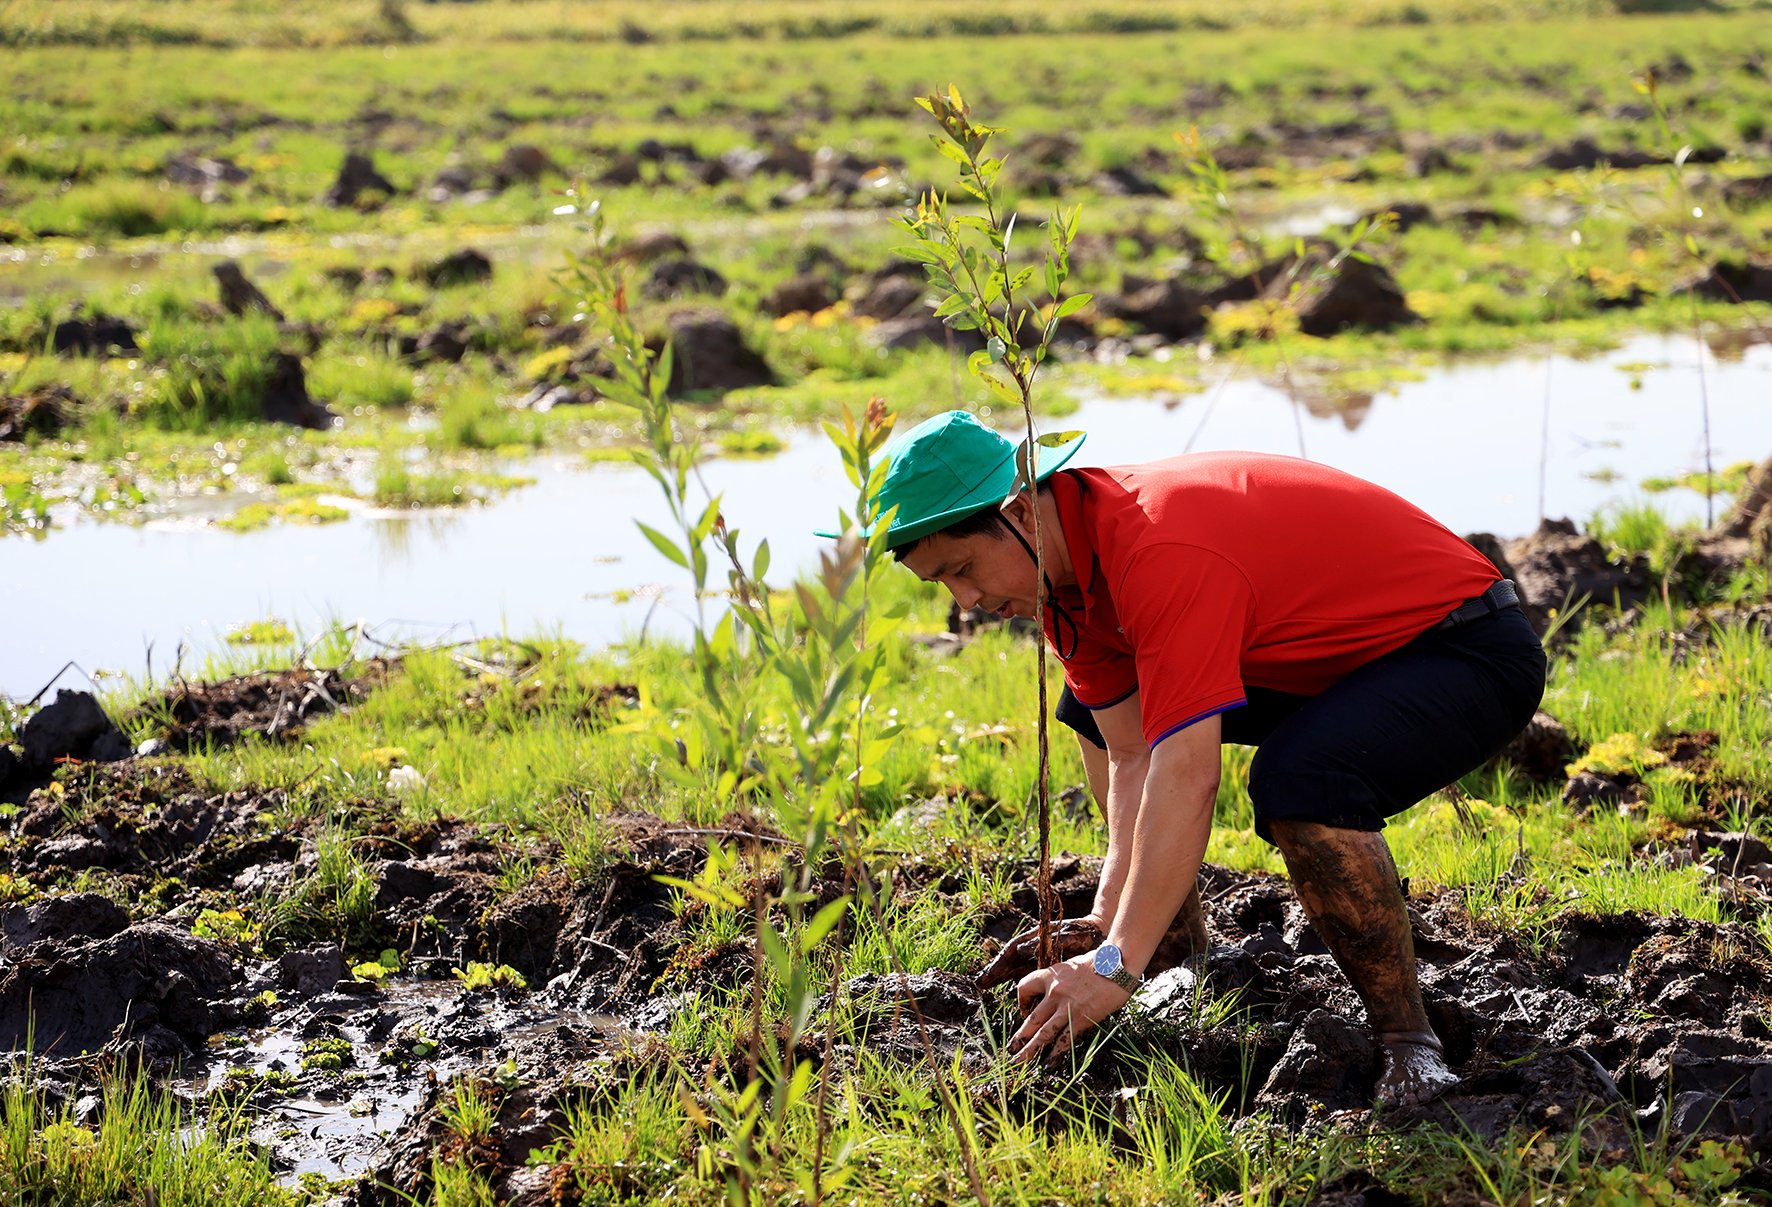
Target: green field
[
  {"x": 518, "y": 921},
  {"x": 1318, "y": 114}
]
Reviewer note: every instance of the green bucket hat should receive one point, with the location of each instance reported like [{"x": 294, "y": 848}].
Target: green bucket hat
[{"x": 948, "y": 467}]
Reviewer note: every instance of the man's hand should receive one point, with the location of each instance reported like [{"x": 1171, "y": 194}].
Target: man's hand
[
  {"x": 1061, "y": 1003},
  {"x": 1071, "y": 937}
]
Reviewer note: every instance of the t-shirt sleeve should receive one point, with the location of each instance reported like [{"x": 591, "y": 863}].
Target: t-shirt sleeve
[{"x": 1188, "y": 614}]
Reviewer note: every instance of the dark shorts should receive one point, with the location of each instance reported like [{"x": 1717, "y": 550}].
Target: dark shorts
[{"x": 1392, "y": 732}]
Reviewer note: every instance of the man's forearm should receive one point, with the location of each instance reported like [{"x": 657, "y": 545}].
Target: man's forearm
[
  {"x": 1167, "y": 844},
  {"x": 1127, "y": 774}
]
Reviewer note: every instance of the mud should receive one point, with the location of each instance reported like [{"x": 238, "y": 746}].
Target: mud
[
  {"x": 42, "y": 411},
  {"x": 272, "y": 704},
  {"x": 1620, "y": 1023},
  {"x": 1616, "y": 1025},
  {"x": 73, "y": 727}
]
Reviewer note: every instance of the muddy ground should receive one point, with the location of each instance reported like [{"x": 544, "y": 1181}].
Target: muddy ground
[{"x": 1607, "y": 1023}]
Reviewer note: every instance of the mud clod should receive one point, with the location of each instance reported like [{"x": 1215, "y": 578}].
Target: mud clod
[
  {"x": 311, "y": 972},
  {"x": 1328, "y": 1060},
  {"x": 1541, "y": 750},
  {"x": 65, "y": 998},
  {"x": 273, "y": 704},
  {"x": 63, "y": 919},
  {"x": 72, "y": 726}
]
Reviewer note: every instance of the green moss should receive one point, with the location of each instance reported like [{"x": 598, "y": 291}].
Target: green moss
[
  {"x": 298, "y": 510},
  {"x": 261, "y": 632}
]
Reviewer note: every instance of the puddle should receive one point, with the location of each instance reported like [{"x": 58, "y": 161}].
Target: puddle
[
  {"x": 339, "y": 1126},
  {"x": 563, "y": 556}
]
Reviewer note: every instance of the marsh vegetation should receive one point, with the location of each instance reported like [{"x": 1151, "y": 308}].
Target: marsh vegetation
[{"x": 696, "y": 919}]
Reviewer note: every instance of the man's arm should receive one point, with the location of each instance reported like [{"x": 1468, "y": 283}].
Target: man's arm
[
  {"x": 1168, "y": 839},
  {"x": 1168, "y": 832},
  {"x": 1124, "y": 762},
  {"x": 1128, "y": 761}
]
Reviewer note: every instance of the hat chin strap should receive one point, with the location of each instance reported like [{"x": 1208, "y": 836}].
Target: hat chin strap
[{"x": 1059, "y": 615}]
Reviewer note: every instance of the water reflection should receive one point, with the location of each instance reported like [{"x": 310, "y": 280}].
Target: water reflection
[{"x": 400, "y": 538}]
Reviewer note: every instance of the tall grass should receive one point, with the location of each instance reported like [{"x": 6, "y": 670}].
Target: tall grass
[
  {"x": 147, "y": 1147},
  {"x": 365, "y": 378},
  {"x": 114, "y": 208},
  {"x": 635, "y": 23},
  {"x": 208, "y": 375},
  {"x": 336, "y": 902}
]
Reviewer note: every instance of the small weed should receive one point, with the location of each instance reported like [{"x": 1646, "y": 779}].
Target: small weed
[
  {"x": 254, "y": 516},
  {"x": 326, "y": 1055},
  {"x": 484, "y": 978},
  {"x": 379, "y": 969},
  {"x": 227, "y": 926},
  {"x": 751, "y": 442},
  {"x": 398, "y": 486},
  {"x": 241, "y": 1083}
]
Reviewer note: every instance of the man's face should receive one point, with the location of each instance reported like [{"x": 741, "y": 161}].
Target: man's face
[{"x": 986, "y": 571}]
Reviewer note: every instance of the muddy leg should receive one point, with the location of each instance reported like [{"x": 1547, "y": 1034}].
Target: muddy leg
[{"x": 1347, "y": 883}]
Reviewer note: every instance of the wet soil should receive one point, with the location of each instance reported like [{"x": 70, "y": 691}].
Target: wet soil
[
  {"x": 1610, "y": 1024},
  {"x": 273, "y": 704}
]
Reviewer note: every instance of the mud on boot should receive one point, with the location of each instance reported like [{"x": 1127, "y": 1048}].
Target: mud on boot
[{"x": 1415, "y": 1071}]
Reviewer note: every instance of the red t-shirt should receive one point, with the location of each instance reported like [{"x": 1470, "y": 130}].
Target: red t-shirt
[{"x": 1202, "y": 573}]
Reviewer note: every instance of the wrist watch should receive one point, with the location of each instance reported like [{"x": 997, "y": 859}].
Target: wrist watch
[{"x": 1108, "y": 962}]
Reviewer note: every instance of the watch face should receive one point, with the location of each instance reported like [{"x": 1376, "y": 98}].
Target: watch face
[{"x": 1108, "y": 959}]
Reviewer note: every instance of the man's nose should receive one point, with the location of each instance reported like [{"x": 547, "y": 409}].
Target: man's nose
[{"x": 966, "y": 595}]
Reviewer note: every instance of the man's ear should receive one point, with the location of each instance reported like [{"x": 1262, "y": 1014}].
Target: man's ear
[{"x": 1020, "y": 513}]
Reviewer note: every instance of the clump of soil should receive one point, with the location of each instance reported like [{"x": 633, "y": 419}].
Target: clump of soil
[
  {"x": 1620, "y": 1022},
  {"x": 149, "y": 828},
  {"x": 71, "y": 728},
  {"x": 273, "y": 704},
  {"x": 1604, "y": 1023}
]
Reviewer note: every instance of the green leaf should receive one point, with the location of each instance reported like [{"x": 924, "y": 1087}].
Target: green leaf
[
  {"x": 1003, "y": 389},
  {"x": 760, "y": 563},
  {"x": 923, "y": 253},
  {"x": 802, "y": 1081},
  {"x": 994, "y": 349},
  {"x": 663, "y": 544},
  {"x": 823, "y": 922},
  {"x": 721, "y": 643},
  {"x": 1071, "y": 305},
  {"x": 1057, "y": 439},
  {"x": 714, "y": 895},
  {"x": 949, "y": 149},
  {"x": 1052, "y": 281},
  {"x": 705, "y": 525},
  {"x": 777, "y": 951}
]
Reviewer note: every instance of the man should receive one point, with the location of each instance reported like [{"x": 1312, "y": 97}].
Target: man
[{"x": 1371, "y": 654}]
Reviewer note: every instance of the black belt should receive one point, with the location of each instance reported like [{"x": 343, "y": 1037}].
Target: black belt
[{"x": 1496, "y": 599}]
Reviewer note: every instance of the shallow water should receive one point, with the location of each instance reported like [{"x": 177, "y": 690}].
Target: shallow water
[
  {"x": 338, "y": 1126},
  {"x": 563, "y": 556}
]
